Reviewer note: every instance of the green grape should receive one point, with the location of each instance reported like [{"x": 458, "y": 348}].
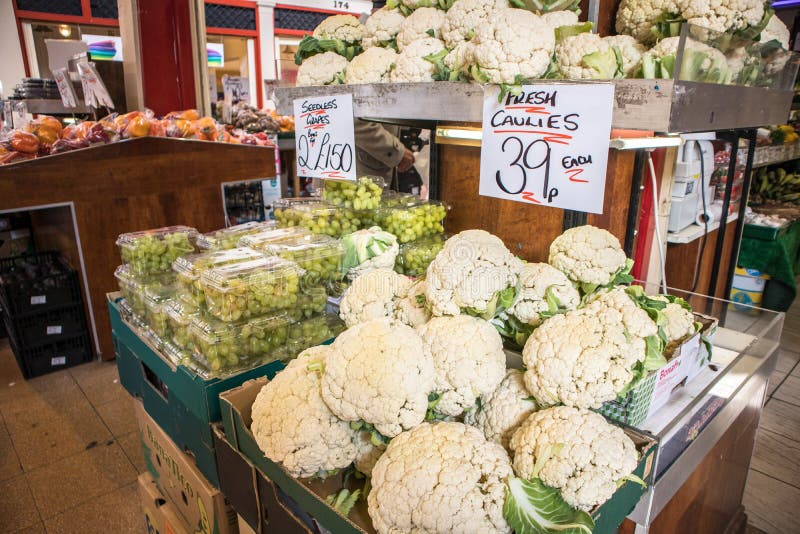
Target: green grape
[
  {"x": 312, "y": 301},
  {"x": 319, "y": 256},
  {"x": 411, "y": 223},
  {"x": 189, "y": 268},
  {"x": 153, "y": 251},
  {"x": 311, "y": 332},
  {"x": 228, "y": 238},
  {"x": 362, "y": 194},
  {"x": 414, "y": 257},
  {"x": 180, "y": 316}
]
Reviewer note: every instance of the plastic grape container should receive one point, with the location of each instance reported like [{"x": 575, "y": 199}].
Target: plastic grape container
[
  {"x": 189, "y": 268},
  {"x": 220, "y": 346},
  {"x": 228, "y": 238},
  {"x": 319, "y": 255},
  {"x": 133, "y": 287},
  {"x": 311, "y": 332},
  {"x": 252, "y": 288},
  {"x": 320, "y": 218},
  {"x": 180, "y": 315},
  {"x": 183, "y": 357},
  {"x": 414, "y": 257},
  {"x": 153, "y": 251},
  {"x": 310, "y": 302},
  {"x": 261, "y": 240},
  {"x": 410, "y": 223},
  {"x": 155, "y": 299},
  {"x": 127, "y": 314},
  {"x": 361, "y": 194}
]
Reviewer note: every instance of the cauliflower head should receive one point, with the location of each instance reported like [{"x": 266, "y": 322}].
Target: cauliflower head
[
  {"x": 679, "y": 321},
  {"x": 411, "y": 65},
  {"x": 407, "y": 6},
  {"x": 379, "y": 372},
  {"x": 502, "y": 411},
  {"x": 442, "y": 477},
  {"x": 327, "y": 68},
  {"x": 461, "y": 58},
  {"x": 513, "y": 44},
  {"x": 636, "y": 321},
  {"x": 464, "y": 17},
  {"x": 542, "y": 287},
  {"x": 411, "y": 309},
  {"x": 701, "y": 62},
  {"x": 776, "y": 30},
  {"x": 587, "y": 255},
  {"x": 371, "y": 66},
  {"x": 367, "y": 453},
  {"x": 556, "y": 19},
  {"x": 294, "y": 427},
  {"x": 469, "y": 272},
  {"x": 586, "y": 56},
  {"x": 372, "y": 295},
  {"x": 424, "y": 22},
  {"x": 631, "y": 51},
  {"x": 595, "y": 454},
  {"x": 638, "y": 18},
  {"x": 468, "y": 360},
  {"x": 346, "y": 28},
  {"x": 382, "y": 27}
]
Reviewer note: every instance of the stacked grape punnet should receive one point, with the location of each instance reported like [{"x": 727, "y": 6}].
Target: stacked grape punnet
[
  {"x": 262, "y": 240},
  {"x": 180, "y": 316},
  {"x": 133, "y": 287},
  {"x": 319, "y": 218},
  {"x": 410, "y": 223},
  {"x": 310, "y": 302},
  {"x": 153, "y": 251},
  {"x": 362, "y": 194},
  {"x": 155, "y": 300},
  {"x": 189, "y": 268},
  {"x": 228, "y": 238},
  {"x": 311, "y": 332},
  {"x": 320, "y": 256},
  {"x": 414, "y": 257}
]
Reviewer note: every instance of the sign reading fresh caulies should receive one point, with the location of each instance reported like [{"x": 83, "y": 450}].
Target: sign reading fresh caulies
[
  {"x": 547, "y": 145},
  {"x": 324, "y": 137}
]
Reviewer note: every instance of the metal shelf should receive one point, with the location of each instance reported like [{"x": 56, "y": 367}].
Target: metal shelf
[
  {"x": 695, "y": 231},
  {"x": 48, "y": 106},
  {"x": 664, "y": 106}
]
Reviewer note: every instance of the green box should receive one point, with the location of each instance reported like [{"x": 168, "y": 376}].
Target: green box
[
  {"x": 310, "y": 494},
  {"x": 766, "y": 233},
  {"x": 181, "y": 402}
]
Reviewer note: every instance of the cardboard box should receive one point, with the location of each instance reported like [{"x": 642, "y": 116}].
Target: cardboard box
[
  {"x": 201, "y": 505},
  {"x": 309, "y": 495},
  {"x": 159, "y": 515}
]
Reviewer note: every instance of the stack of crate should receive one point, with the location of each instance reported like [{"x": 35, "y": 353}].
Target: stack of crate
[{"x": 43, "y": 313}]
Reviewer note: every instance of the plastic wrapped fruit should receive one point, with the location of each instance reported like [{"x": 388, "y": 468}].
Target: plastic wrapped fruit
[
  {"x": 319, "y": 218},
  {"x": 153, "y": 251},
  {"x": 251, "y": 288},
  {"x": 310, "y": 302},
  {"x": 361, "y": 194},
  {"x": 133, "y": 287},
  {"x": 228, "y": 238},
  {"x": 180, "y": 316},
  {"x": 319, "y": 255},
  {"x": 413, "y": 222},
  {"x": 261, "y": 240},
  {"x": 311, "y": 332},
  {"x": 415, "y": 257},
  {"x": 189, "y": 268},
  {"x": 225, "y": 346},
  {"x": 155, "y": 299}
]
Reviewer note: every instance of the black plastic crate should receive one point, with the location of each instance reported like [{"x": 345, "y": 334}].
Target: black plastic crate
[
  {"x": 48, "y": 326},
  {"x": 49, "y": 357},
  {"x": 37, "y": 282}
]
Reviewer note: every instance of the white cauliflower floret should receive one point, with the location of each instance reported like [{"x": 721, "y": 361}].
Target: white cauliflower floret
[
  {"x": 410, "y": 5},
  {"x": 468, "y": 360},
  {"x": 593, "y": 457},
  {"x": 574, "y": 55},
  {"x": 637, "y": 18},
  {"x": 294, "y": 427},
  {"x": 371, "y": 66},
  {"x": 411, "y": 65},
  {"x": 469, "y": 272},
  {"x": 372, "y": 295},
  {"x": 776, "y": 30},
  {"x": 556, "y": 19},
  {"x": 420, "y": 24},
  {"x": 322, "y": 69},
  {"x": 679, "y": 321},
  {"x": 531, "y": 299},
  {"x": 513, "y": 43},
  {"x": 346, "y": 28},
  {"x": 464, "y": 17},
  {"x": 367, "y": 453},
  {"x": 381, "y": 373},
  {"x": 631, "y": 51},
  {"x": 382, "y": 27},
  {"x": 460, "y": 58},
  {"x": 502, "y": 411},
  {"x": 587, "y": 254},
  {"x": 411, "y": 309},
  {"x": 442, "y": 477},
  {"x": 636, "y": 321}
]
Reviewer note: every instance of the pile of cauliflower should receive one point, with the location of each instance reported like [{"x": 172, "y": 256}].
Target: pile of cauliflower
[
  {"x": 417, "y": 394},
  {"x": 510, "y": 41}
]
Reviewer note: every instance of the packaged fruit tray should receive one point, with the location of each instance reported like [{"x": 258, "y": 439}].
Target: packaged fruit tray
[
  {"x": 228, "y": 238},
  {"x": 261, "y": 240},
  {"x": 319, "y": 218},
  {"x": 252, "y": 288},
  {"x": 153, "y": 251},
  {"x": 156, "y": 298},
  {"x": 361, "y": 194},
  {"x": 310, "y": 302},
  {"x": 133, "y": 287},
  {"x": 189, "y": 268},
  {"x": 180, "y": 315},
  {"x": 414, "y": 257},
  {"x": 320, "y": 256},
  {"x": 413, "y": 221},
  {"x": 311, "y": 332},
  {"x": 220, "y": 346}
]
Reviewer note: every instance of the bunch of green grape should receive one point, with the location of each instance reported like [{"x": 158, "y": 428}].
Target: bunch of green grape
[
  {"x": 134, "y": 288},
  {"x": 189, "y": 268},
  {"x": 180, "y": 316},
  {"x": 228, "y": 238},
  {"x": 153, "y": 251},
  {"x": 252, "y": 288},
  {"x": 311, "y": 301},
  {"x": 320, "y": 256},
  {"x": 414, "y": 257},
  {"x": 361, "y": 194},
  {"x": 311, "y": 332},
  {"x": 156, "y": 300},
  {"x": 414, "y": 222},
  {"x": 320, "y": 218}
]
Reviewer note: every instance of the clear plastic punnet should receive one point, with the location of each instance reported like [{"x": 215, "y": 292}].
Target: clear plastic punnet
[
  {"x": 311, "y": 332},
  {"x": 413, "y": 221},
  {"x": 361, "y": 194},
  {"x": 414, "y": 257},
  {"x": 261, "y": 240},
  {"x": 222, "y": 346},
  {"x": 311, "y": 301},
  {"x": 319, "y": 218},
  {"x": 180, "y": 315},
  {"x": 252, "y": 288},
  {"x": 320, "y": 256},
  {"x": 155, "y": 299},
  {"x": 153, "y": 251},
  {"x": 189, "y": 268},
  {"x": 133, "y": 287},
  {"x": 228, "y": 238}
]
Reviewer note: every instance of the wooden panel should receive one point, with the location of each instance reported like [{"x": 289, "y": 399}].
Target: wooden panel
[{"x": 129, "y": 186}]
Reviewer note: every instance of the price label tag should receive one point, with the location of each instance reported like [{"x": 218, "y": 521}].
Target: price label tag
[
  {"x": 548, "y": 145},
  {"x": 65, "y": 88},
  {"x": 38, "y": 299},
  {"x": 54, "y": 330},
  {"x": 58, "y": 360},
  {"x": 324, "y": 137}
]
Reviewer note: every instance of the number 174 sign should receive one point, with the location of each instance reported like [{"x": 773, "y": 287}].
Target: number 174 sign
[{"x": 548, "y": 145}]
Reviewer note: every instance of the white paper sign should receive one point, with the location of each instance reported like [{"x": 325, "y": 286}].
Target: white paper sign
[
  {"x": 54, "y": 330},
  {"x": 237, "y": 88},
  {"x": 95, "y": 93},
  {"x": 38, "y": 299},
  {"x": 324, "y": 137},
  {"x": 547, "y": 146},
  {"x": 65, "y": 88}
]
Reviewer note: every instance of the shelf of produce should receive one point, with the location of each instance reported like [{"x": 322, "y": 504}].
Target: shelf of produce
[
  {"x": 666, "y": 106},
  {"x": 50, "y": 106},
  {"x": 695, "y": 231},
  {"x": 771, "y": 155}
]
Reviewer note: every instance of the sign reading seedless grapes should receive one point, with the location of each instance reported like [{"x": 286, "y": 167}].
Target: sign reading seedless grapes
[
  {"x": 547, "y": 145},
  {"x": 324, "y": 137}
]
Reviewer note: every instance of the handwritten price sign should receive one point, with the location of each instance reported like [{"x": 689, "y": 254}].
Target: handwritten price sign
[
  {"x": 324, "y": 137},
  {"x": 548, "y": 145}
]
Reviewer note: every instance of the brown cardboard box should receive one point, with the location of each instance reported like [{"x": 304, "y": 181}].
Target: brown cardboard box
[
  {"x": 202, "y": 506},
  {"x": 160, "y": 516}
]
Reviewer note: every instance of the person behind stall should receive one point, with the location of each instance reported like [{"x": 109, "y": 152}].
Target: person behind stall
[{"x": 379, "y": 151}]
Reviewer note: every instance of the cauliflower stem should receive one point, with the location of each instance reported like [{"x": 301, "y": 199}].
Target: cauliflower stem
[
  {"x": 443, "y": 72},
  {"x": 310, "y": 46},
  {"x": 344, "y": 500}
]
